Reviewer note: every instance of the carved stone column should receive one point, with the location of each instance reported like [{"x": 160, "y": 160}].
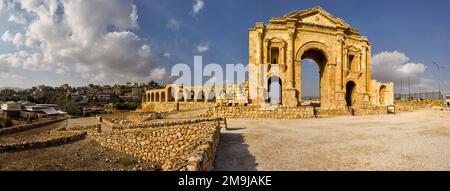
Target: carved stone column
[
  {"x": 291, "y": 100},
  {"x": 341, "y": 66},
  {"x": 259, "y": 62},
  {"x": 290, "y": 60}
]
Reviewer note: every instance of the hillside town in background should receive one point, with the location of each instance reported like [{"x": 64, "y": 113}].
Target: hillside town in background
[{"x": 76, "y": 101}]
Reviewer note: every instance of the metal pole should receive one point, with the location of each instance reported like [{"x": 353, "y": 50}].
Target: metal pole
[
  {"x": 401, "y": 88},
  {"x": 439, "y": 67},
  {"x": 409, "y": 89}
]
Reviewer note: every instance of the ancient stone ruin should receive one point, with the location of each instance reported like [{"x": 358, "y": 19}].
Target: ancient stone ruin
[{"x": 276, "y": 52}]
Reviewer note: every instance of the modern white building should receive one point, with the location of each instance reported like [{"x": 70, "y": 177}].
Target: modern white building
[
  {"x": 11, "y": 109},
  {"x": 447, "y": 100}
]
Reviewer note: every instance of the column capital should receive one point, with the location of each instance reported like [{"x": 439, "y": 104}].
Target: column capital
[
  {"x": 260, "y": 34},
  {"x": 291, "y": 34}
]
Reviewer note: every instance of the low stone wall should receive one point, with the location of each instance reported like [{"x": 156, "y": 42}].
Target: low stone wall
[
  {"x": 143, "y": 117},
  {"x": 90, "y": 128},
  {"x": 321, "y": 113},
  {"x": 371, "y": 111},
  {"x": 19, "y": 128},
  {"x": 158, "y": 124},
  {"x": 172, "y": 106},
  {"x": 255, "y": 112},
  {"x": 412, "y": 105},
  {"x": 180, "y": 147},
  {"x": 303, "y": 112},
  {"x": 57, "y": 138}
]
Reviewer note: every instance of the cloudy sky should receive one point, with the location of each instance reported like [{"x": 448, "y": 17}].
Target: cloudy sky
[{"x": 113, "y": 41}]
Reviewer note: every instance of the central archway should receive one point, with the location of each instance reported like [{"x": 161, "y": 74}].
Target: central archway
[{"x": 315, "y": 52}]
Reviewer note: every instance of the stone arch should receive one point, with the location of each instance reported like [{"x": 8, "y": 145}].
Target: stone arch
[
  {"x": 201, "y": 96},
  {"x": 157, "y": 97},
  {"x": 152, "y": 97},
  {"x": 181, "y": 95},
  {"x": 319, "y": 53},
  {"x": 382, "y": 95},
  {"x": 171, "y": 95},
  {"x": 191, "y": 95},
  {"x": 275, "y": 96},
  {"x": 350, "y": 93},
  {"x": 211, "y": 96},
  {"x": 312, "y": 45},
  {"x": 163, "y": 97}
]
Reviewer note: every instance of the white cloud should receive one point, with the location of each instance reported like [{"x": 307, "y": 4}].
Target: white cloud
[
  {"x": 17, "y": 19},
  {"x": 88, "y": 38},
  {"x": 202, "y": 47},
  {"x": 198, "y": 6},
  {"x": 395, "y": 66},
  {"x": 17, "y": 39},
  {"x": 167, "y": 54},
  {"x": 158, "y": 74},
  {"x": 174, "y": 25}
]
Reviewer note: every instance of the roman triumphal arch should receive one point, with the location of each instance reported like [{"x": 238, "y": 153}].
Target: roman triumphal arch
[{"x": 276, "y": 50}]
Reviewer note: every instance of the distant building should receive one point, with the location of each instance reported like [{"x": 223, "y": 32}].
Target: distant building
[
  {"x": 92, "y": 111},
  {"x": 104, "y": 96},
  {"x": 132, "y": 84},
  {"x": 8, "y": 92},
  {"x": 137, "y": 91},
  {"x": 41, "y": 111},
  {"x": 11, "y": 109},
  {"x": 447, "y": 100},
  {"x": 117, "y": 89}
]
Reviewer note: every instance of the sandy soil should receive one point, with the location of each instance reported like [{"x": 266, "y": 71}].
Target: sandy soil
[{"x": 407, "y": 141}]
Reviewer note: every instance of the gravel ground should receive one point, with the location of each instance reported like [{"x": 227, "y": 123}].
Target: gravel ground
[{"x": 407, "y": 141}]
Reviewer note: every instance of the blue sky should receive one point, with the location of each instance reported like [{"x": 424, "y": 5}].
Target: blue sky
[{"x": 420, "y": 30}]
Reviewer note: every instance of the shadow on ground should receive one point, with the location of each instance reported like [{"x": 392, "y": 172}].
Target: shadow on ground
[{"x": 233, "y": 154}]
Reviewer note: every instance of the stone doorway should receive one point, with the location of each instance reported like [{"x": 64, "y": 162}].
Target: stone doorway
[
  {"x": 349, "y": 93},
  {"x": 275, "y": 95},
  {"x": 383, "y": 95}
]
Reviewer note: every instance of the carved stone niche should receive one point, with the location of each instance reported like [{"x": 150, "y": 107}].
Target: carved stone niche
[
  {"x": 276, "y": 52},
  {"x": 352, "y": 67}
]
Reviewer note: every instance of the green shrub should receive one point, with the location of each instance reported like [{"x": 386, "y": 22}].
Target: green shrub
[
  {"x": 126, "y": 106},
  {"x": 6, "y": 123}
]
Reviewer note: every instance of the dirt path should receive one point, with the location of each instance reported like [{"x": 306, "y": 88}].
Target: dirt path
[{"x": 406, "y": 141}]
